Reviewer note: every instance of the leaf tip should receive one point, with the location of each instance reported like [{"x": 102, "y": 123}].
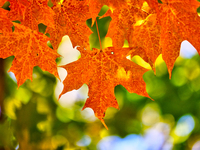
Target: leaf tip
[
  {"x": 102, "y": 121},
  {"x": 59, "y": 96},
  {"x": 152, "y": 99}
]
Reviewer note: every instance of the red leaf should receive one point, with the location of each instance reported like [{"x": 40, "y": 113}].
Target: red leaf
[
  {"x": 102, "y": 70},
  {"x": 30, "y": 49}
]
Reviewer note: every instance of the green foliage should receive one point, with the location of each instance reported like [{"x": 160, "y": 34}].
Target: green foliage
[{"x": 35, "y": 120}]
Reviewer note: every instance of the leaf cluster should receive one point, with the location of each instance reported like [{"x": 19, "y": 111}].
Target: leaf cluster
[{"x": 150, "y": 27}]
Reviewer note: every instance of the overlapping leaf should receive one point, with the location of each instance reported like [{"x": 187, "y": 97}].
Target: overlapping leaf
[
  {"x": 2, "y": 2},
  {"x": 7, "y": 24},
  {"x": 122, "y": 22},
  {"x": 31, "y": 13},
  {"x": 148, "y": 48},
  {"x": 139, "y": 27},
  {"x": 96, "y": 5},
  {"x": 70, "y": 19},
  {"x": 179, "y": 21},
  {"x": 173, "y": 22}
]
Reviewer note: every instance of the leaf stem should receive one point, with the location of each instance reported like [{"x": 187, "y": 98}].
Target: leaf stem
[{"x": 98, "y": 34}]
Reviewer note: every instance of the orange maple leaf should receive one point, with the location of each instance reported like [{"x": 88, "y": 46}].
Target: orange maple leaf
[
  {"x": 31, "y": 13},
  {"x": 27, "y": 45},
  {"x": 96, "y": 5},
  {"x": 148, "y": 48},
  {"x": 179, "y": 21},
  {"x": 122, "y": 21},
  {"x": 30, "y": 49},
  {"x": 70, "y": 19},
  {"x": 102, "y": 70},
  {"x": 7, "y": 24},
  {"x": 2, "y": 2}
]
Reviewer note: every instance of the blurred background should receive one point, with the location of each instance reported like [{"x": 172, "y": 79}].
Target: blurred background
[{"x": 32, "y": 118}]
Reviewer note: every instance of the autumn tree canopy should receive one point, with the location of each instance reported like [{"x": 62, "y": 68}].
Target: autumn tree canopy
[{"x": 151, "y": 27}]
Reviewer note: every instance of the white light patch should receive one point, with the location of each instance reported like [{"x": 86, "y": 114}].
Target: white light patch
[
  {"x": 85, "y": 141},
  {"x": 69, "y": 54},
  {"x": 62, "y": 73},
  {"x": 185, "y": 125},
  {"x": 196, "y": 145},
  {"x": 68, "y": 99},
  {"x": 12, "y": 75},
  {"x": 66, "y": 50},
  {"x": 187, "y": 50},
  {"x": 88, "y": 114},
  {"x": 128, "y": 57}
]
